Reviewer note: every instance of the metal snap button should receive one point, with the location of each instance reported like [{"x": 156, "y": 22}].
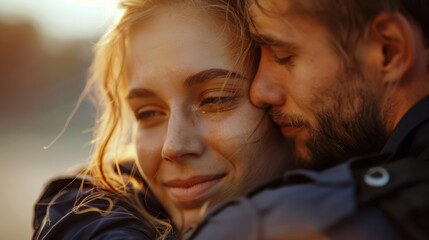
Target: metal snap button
[{"x": 377, "y": 177}]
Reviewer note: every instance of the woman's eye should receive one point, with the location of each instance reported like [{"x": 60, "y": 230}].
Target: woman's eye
[
  {"x": 148, "y": 115},
  {"x": 218, "y": 103},
  {"x": 217, "y": 100}
]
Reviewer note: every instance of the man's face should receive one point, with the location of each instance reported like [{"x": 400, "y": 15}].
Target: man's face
[{"x": 327, "y": 108}]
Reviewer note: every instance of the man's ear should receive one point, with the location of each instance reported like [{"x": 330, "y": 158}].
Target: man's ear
[{"x": 395, "y": 45}]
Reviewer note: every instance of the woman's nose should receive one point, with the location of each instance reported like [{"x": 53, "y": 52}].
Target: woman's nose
[{"x": 183, "y": 139}]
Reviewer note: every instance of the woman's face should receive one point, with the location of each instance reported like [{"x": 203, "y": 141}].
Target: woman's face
[{"x": 199, "y": 140}]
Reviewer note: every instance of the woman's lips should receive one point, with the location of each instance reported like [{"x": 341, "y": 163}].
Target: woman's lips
[{"x": 192, "y": 190}]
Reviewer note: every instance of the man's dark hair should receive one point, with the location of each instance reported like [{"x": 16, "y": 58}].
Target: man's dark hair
[{"x": 347, "y": 19}]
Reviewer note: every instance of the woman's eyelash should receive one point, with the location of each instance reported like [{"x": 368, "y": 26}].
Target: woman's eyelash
[
  {"x": 218, "y": 100},
  {"x": 147, "y": 114}
]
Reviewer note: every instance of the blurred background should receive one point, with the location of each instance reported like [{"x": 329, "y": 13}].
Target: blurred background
[{"x": 45, "y": 51}]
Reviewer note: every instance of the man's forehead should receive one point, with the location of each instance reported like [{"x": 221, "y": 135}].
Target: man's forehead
[
  {"x": 266, "y": 12},
  {"x": 265, "y": 17},
  {"x": 270, "y": 7}
]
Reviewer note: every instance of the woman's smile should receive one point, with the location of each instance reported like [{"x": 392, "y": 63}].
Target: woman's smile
[{"x": 192, "y": 191}]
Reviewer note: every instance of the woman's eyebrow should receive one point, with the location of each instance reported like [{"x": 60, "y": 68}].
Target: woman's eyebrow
[
  {"x": 198, "y": 78},
  {"x": 140, "y": 93},
  {"x": 209, "y": 74}
]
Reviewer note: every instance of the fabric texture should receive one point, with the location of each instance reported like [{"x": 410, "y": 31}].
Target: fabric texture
[{"x": 72, "y": 208}]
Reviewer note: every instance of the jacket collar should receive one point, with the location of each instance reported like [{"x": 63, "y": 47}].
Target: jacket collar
[{"x": 414, "y": 118}]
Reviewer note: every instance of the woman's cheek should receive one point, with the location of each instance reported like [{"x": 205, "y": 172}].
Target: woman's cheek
[
  {"x": 245, "y": 123},
  {"x": 148, "y": 154}
]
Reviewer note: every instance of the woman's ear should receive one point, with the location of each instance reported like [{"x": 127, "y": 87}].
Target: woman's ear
[{"x": 395, "y": 45}]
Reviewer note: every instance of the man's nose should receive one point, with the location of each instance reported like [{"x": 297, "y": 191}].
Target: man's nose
[
  {"x": 183, "y": 140},
  {"x": 267, "y": 89}
]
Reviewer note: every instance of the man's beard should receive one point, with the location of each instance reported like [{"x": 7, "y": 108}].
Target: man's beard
[
  {"x": 337, "y": 139},
  {"x": 351, "y": 126}
]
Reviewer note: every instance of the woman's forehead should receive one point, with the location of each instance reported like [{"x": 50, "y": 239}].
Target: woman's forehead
[
  {"x": 169, "y": 31},
  {"x": 171, "y": 43}
]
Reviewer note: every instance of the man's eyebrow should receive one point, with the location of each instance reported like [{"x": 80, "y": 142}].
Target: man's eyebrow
[
  {"x": 262, "y": 39},
  {"x": 209, "y": 74}
]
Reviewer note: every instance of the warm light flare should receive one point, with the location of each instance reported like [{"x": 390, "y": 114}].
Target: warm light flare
[
  {"x": 96, "y": 2},
  {"x": 63, "y": 19}
]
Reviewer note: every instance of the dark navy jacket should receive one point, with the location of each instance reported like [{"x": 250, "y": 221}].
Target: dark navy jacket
[
  {"x": 67, "y": 218},
  {"x": 339, "y": 203}
]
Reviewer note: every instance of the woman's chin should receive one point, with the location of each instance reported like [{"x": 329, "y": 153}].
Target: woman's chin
[{"x": 188, "y": 218}]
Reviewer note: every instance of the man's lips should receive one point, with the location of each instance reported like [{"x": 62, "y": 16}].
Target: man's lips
[
  {"x": 192, "y": 189},
  {"x": 289, "y": 131},
  {"x": 289, "y": 125}
]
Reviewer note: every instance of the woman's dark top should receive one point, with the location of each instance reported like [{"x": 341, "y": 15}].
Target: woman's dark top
[{"x": 72, "y": 208}]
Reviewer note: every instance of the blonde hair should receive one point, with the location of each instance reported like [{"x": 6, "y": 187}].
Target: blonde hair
[{"x": 115, "y": 124}]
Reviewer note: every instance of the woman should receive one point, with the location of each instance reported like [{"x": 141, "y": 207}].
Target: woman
[{"x": 173, "y": 79}]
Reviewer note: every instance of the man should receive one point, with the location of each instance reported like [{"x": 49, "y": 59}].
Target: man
[{"x": 348, "y": 83}]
